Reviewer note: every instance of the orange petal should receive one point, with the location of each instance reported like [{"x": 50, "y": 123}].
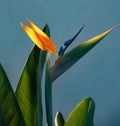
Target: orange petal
[
  {"x": 39, "y": 37},
  {"x": 38, "y": 30},
  {"x": 32, "y": 35},
  {"x": 43, "y": 38}
]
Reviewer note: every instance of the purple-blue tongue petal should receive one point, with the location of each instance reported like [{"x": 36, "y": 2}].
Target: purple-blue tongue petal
[{"x": 68, "y": 42}]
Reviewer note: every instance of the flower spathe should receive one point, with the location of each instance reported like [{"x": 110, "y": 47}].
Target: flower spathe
[{"x": 39, "y": 37}]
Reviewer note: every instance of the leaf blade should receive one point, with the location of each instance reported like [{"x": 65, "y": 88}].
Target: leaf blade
[
  {"x": 82, "y": 114},
  {"x": 29, "y": 92},
  {"x": 3, "y": 120},
  {"x": 8, "y": 103},
  {"x": 59, "y": 120},
  {"x": 26, "y": 92}
]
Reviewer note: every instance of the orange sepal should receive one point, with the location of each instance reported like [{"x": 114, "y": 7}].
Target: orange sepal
[{"x": 39, "y": 37}]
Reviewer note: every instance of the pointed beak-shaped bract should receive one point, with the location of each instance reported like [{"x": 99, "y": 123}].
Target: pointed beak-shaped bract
[
  {"x": 39, "y": 37},
  {"x": 67, "y": 60}
]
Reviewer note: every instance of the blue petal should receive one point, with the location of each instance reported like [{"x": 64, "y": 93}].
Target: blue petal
[
  {"x": 68, "y": 42},
  {"x": 61, "y": 51}
]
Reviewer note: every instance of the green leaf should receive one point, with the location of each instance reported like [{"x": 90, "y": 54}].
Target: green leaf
[
  {"x": 82, "y": 114},
  {"x": 9, "y": 110},
  {"x": 28, "y": 92},
  {"x": 46, "y": 29},
  {"x": 48, "y": 93},
  {"x": 59, "y": 120},
  {"x": 3, "y": 121},
  {"x": 63, "y": 63}
]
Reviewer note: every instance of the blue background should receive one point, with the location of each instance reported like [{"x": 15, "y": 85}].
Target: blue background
[{"x": 97, "y": 74}]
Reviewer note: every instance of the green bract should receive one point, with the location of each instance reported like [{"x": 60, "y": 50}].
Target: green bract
[
  {"x": 82, "y": 114},
  {"x": 24, "y": 106}
]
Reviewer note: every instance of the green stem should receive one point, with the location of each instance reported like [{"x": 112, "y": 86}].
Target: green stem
[
  {"x": 39, "y": 88},
  {"x": 48, "y": 93}
]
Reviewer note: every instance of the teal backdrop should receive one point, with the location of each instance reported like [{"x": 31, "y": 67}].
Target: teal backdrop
[{"x": 96, "y": 75}]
